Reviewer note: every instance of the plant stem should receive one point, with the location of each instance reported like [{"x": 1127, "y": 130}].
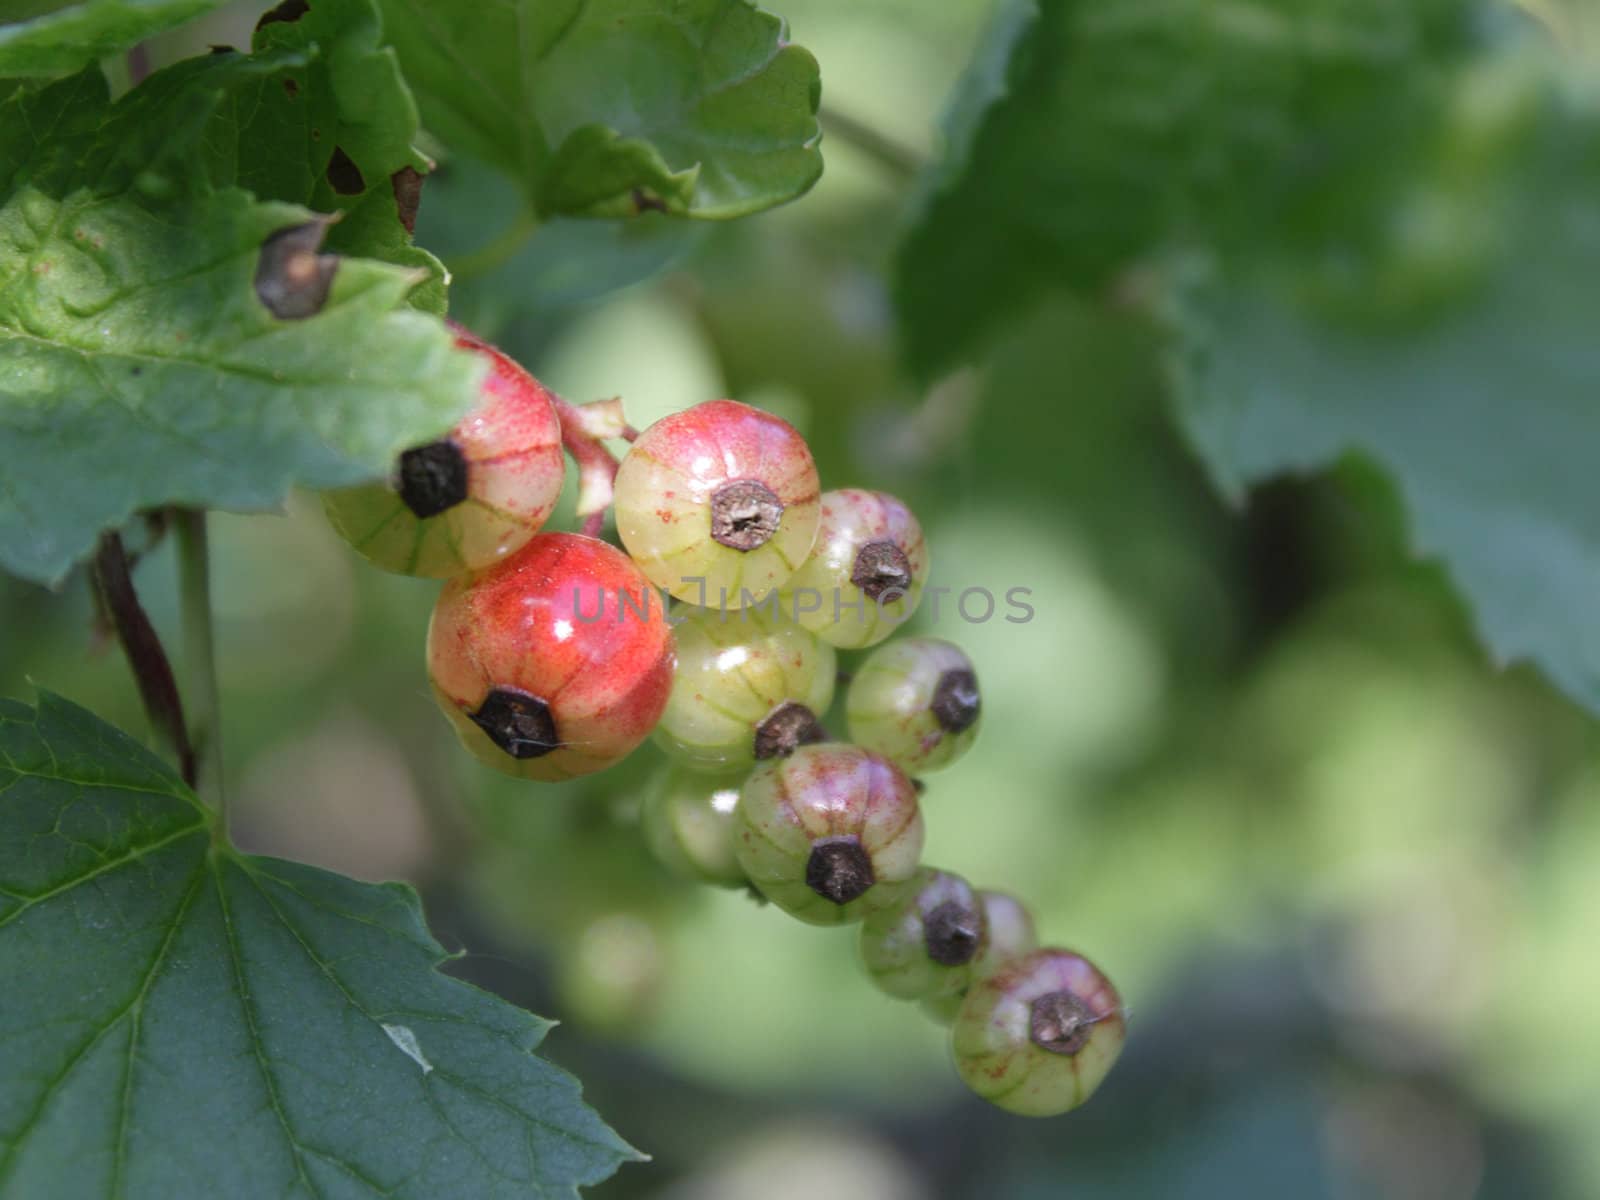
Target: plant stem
[
  {"x": 494, "y": 254},
  {"x": 200, "y": 656},
  {"x": 583, "y": 430},
  {"x": 886, "y": 150},
  {"x": 152, "y": 670}
]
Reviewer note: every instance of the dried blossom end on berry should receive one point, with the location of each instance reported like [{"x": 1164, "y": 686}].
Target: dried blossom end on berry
[
  {"x": 787, "y": 728},
  {"x": 956, "y": 701},
  {"x": 953, "y": 932},
  {"x": 520, "y": 724},
  {"x": 432, "y": 478},
  {"x": 1059, "y": 1022},
  {"x": 745, "y": 514},
  {"x": 839, "y": 869},
  {"x": 881, "y": 568}
]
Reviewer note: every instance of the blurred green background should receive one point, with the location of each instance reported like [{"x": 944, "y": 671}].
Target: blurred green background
[{"x": 1346, "y": 875}]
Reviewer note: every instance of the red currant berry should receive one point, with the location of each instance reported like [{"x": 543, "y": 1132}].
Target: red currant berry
[
  {"x": 469, "y": 499},
  {"x": 915, "y": 701},
  {"x": 749, "y": 685},
  {"x": 688, "y": 820},
  {"x": 924, "y": 944},
  {"x": 1037, "y": 1036},
  {"x": 718, "y": 503},
  {"x": 865, "y": 574},
  {"x": 828, "y": 833},
  {"x": 555, "y": 662}
]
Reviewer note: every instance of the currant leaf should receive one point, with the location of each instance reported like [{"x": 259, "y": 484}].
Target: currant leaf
[
  {"x": 1484, "y": 415},
  {"x": 1091, "y": 135},
  {"x": 203, "y": 1023},
  {"x": 337, "y": 134},
  {"x": 607, "y": 108},
  {"x": 140, "y": 362},
  {"x": 64, "y": 37}
]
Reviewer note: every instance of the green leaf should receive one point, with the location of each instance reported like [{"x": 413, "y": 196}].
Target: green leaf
[
  {"x": 1484, "y": 410},
  {"x": 185, "y": 1021},
  {"x": 572, "y": 260},
  {"x": 139, "y": 366},
  {"x": 698, "y": 108},
  {"x": 1091, "y": 135},
  {"x": 53, "y": 39}
]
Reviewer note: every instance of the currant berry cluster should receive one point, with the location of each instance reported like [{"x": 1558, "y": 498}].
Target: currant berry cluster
[{"x": 555, "y": 655}]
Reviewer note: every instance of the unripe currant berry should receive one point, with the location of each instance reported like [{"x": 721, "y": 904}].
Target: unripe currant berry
[
  {"x": 924, "y": 944},
  {"x": 1037, "y": 1036},
  {"x": 553, "y": 663},
  {"x": 916, "y": 702},
  {"x": 750, "y": 685},
  {"x": 865, "y": 575},
  {"x": 1008, "y": 926},
  {"x": 469, "y": 499},
  {"x": 828, "y": 833},
  {"x": 688, "y": 820},
  {"x": 718, "y": 503}
]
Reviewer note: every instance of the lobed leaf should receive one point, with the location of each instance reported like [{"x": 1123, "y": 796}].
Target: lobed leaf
[
  {"x": 699, "y": 108},
  {"x": 1484, "y": 413},
  {"x": 1092, "y": 135},
  {"x": 200, "y": 1023},
  {"x": 138, "y": 364}
]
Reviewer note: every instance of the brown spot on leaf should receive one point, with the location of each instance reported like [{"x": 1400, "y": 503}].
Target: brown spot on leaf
[
  {"x": 343, "y": 174},
  {"x": 644, "y": 201},
  {"x": 287, "y": 12},
  {"x": 292, "y": 279},
  {"x": 407, "y": 185},
  {"x": 291, "y": 88}
]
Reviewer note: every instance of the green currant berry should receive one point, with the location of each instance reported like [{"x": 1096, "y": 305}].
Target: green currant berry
[
  {"x": 553, "y": 663},
  {"x": 688, "y": 823},
  {"x": 829, "y": 833},
  {"x": 466, "y": 501},
  {"x": 864, "y": 577},
  {"x": 718, "y": 503},
  {"x": 1010, "y": 934},
  {"x": 924, "y": 944},
  {"x": 915, "y": 701},
  {"x": 750, "y": 685},
  {"x": 1037, "y": 1036}
]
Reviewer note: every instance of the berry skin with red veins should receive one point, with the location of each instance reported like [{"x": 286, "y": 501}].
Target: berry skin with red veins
[
  {"x": 750, "y": 685},
  {"x": 468, "y": 500},
  {"x": 556, "y": 662},
  {"x": 1010, "y": 935},
  {"x": 1039, "y": 1035},
  {"x": 916, "y": 702},
  {"x": 688, "y": 820},
  {"x": 924, "y": 944},
  {"x": 718, "y": 503},
  {"x": 865, "y": 575},
  {"x": 829, "y": 833}
]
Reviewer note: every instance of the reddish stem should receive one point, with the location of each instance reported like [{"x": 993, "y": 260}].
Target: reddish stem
[
  {"x": 152, "y": 670},
  {"x": 597, "y": 465}
]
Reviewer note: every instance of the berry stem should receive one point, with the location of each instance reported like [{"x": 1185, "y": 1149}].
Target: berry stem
[
  {"x": 894, "y": 156},
  {"x": 584, "y": 430},
  {"x": 200, "y": 657},
  {"x": 147, "y": 658}
]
